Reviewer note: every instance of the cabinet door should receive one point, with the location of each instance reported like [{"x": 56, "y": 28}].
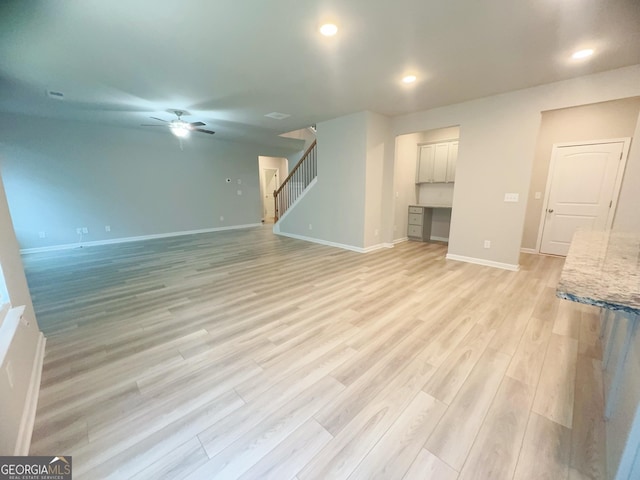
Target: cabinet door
[
  {"x": 440, "y": 162},
  {"x": 451, "y": 162},
  {"x": 425, "y": 164}
]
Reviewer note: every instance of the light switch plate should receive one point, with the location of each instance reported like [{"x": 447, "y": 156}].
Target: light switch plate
[{"x": 511, "y": 197}]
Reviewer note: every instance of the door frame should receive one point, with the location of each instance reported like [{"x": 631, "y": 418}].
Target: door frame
[
  {"x": 626, "y": 143},
  {"x": 264, "y": 187}
]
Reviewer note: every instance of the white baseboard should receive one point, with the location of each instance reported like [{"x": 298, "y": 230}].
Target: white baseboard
[
  {"x": 439, "y": 239},
  {"x": 482, "y": 261},
  {"x": 379, "y": 246},
  {"x": 111, "y": 241},
  {"x": 23, "y": 443},
  {"x": 323, "y": 242},
  {"x": 529, "y": 250},
  {"x": 400, "y": 240}
]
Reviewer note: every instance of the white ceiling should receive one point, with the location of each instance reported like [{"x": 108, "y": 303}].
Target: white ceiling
[{"x": 230, "y": 62}]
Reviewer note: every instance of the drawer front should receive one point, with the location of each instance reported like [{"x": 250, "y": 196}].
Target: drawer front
[
  {"x": 414, "y": 231},
  {"x": 415, "y": 219},
  {"x": 415, "y": 209}
]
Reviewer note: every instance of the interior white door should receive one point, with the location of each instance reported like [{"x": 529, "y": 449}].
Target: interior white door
[
  {"x": 582, "y": 186},
  {"x": 270, "y": 176}
]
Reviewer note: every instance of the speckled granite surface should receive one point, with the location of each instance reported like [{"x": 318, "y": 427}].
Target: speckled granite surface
[{"x": 603, "y": 269}]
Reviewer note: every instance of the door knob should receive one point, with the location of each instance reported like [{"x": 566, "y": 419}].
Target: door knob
[{"x": 550, "y": 210}]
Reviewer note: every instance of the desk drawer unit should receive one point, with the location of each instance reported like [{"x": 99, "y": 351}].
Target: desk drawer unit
[{"x": 419, "y": 225}]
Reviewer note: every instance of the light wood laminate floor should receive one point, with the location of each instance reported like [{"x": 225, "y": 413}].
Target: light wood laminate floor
[{"x": 241, "y": 354}]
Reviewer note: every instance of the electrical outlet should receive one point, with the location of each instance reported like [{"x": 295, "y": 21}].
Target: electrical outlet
[
  {"x": 538, "y": 195},
  {"x": 375, "y": 232},
  {"x": 239, "y": 192},
  {"x": 107, "y": 228},
  {"x": 239, "y": 182},
  {"x": 487, "y": 244},
  {"x": 221, "y": 218},
  {"x": 79, "y": 230},
  {"x": 42, "y": 234},
  {"x": 85, "y": 230},
  {"x": 310, "y": 227}
]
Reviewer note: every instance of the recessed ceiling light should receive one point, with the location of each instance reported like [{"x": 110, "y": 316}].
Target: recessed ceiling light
[
  {"x": 328, "y": 29},
  {"x": 582, "y": 54},
  {"x": 409, "y": 79}
]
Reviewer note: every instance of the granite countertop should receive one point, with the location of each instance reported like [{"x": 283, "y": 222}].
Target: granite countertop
[
  {"x": 426, "y": 205},
  {"x": 603, "y": 269}
]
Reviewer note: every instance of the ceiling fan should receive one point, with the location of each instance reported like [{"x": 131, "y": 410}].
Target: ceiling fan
[{"x": 179, "y": 127}]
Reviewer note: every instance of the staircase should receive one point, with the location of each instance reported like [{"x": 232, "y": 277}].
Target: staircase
[{"x": 297, "y": 181}]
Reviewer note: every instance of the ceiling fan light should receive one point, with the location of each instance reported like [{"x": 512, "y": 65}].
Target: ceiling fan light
[{"x": 180, "y": 131}]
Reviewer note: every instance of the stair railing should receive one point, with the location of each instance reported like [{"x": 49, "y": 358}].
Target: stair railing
[{"x": 300, "y": 177}]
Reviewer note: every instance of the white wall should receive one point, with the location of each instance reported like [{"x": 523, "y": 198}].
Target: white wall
[
  {"x": 378, "y": 213},
  {"x": 496, "y": 150},
  {"x": 60, "y": 175},
  {"x": 16, "y": 409},
  {"x": 334, "y": 206},
  {"x": 404, "y": 182}
]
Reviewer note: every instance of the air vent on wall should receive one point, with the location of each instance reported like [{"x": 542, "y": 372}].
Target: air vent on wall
[{"x": 277, "y": 115}]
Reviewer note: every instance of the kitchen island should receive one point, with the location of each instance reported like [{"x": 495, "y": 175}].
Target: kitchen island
[{"x": 603, "y": 269}]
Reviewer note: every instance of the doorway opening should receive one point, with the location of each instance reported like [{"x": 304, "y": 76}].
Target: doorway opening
[
  {"x": 582, "y": 191},
  {"x": 271, "y": 171},
  {"x": 591, "y": 124},
  {"x": 424, "y": 182}
]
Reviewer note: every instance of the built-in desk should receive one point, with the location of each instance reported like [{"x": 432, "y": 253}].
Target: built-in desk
[
  {"x": 603, "y": 269},
  {"x": 419, "y": 224}
]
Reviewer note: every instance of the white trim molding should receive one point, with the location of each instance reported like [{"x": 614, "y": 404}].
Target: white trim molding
[
  {"x": 439, "y": 239},
  {"x": 69, "y": 246},
  {"x": 532, "y": 251},
  {"x": 400, "y": 240},
  {"x": 335, "y": 244},
  {"x": 23, "y": 443},
  {"x": 482, "y": 261}
]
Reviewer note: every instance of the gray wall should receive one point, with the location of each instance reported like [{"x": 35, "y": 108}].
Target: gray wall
[
  {"x": 60, "y": 175},
  {"x": 600, "y": 121},
  {"x": 335, "y": 205},
  {"x": 305, "y": 134}
]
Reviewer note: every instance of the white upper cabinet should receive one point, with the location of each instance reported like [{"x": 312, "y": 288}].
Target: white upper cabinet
[
  {"x": 424, "y": 172},
  {"x": 437, "y": 162}
]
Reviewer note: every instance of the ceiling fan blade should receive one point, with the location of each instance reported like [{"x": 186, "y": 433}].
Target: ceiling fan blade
[
  {"x": 203, "y": 131},
  {"x": 156, "y": 118},
  {"x": 197, "y": 124},
  {"x": 151, "y": 125}
]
